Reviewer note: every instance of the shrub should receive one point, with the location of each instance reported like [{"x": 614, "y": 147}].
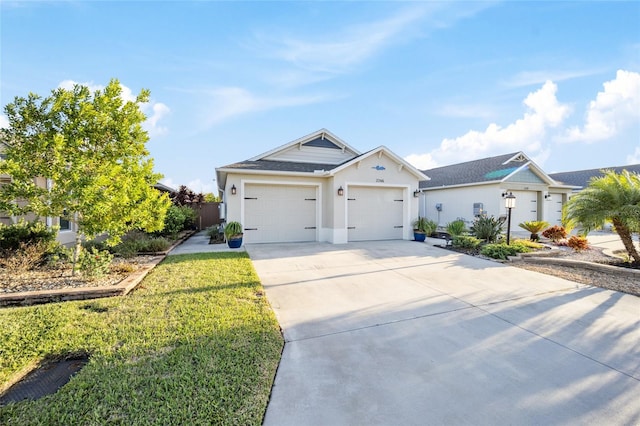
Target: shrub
[
  {"x": 487, "y": 228},
  {"x": 153, "y": 245},
  {"x": 528, "y": 243},
  {"x": 26, "y": 245},
  {"x": 60, "y": 254},
  {"x": 457, "y": 227},
  {"x": 466, "y": 242},
  {"x": 534, "y": 226},
  {"x": 555, "y": 233},
  {"x": 502, "y": 250},
  {"x": 123, "y": 268},
  {"x": 12, "y": 236},
  {"x": 98, "y": 245},
  {"x": 139, "y": 242},
  {"x": 578, "y": 243},
  {"x": 232, "y": 229},
  {"x": 174, "y": 220},
  {"x": 213, "y": 231},
  {"x": 425, "y": 225},
  {"x": 94, "y": 263},
  {"x": 190, "y": 217},
  {"x": 27, "y": 256},
  {"x": 127, "y": 248}
]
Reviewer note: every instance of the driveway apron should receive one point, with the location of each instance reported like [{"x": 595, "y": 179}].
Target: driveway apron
[{"x": 404, "y": 333}]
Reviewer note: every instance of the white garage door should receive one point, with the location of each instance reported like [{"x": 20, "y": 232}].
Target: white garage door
[
  {"x": 553, "y": 213},
  {"x": 526, "y": 208},
  {"x": 279, "y": 213},
  {"x": 374, "y": 213}
]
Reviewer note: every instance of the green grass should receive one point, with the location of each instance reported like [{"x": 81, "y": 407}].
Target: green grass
[{"x": 196, "y": 343}]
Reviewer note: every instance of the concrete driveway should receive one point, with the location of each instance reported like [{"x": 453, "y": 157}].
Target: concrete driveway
[{"x": 403, "y": 333}]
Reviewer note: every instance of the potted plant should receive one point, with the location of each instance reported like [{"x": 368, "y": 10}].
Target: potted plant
[
  {"x": 423, "y": 227},
  {"x": 233, "y": 234}
]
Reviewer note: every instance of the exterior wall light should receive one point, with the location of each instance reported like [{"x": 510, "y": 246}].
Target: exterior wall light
[
  {"x": 340, "y": 191},
  {"x": 233, "y": 190},
  {"x": 416, "y": 193},
  {"x": 509, "y": 203}
]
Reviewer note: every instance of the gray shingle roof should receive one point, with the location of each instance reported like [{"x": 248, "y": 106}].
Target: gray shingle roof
[
  {"x": 280, "y": 166},
  {"x": 484, "y": 170},
  {"x": 582, "y": 177}
]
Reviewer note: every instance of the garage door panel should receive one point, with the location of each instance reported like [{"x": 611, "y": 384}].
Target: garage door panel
[
  {"x": 375, "y": 213},
  {"x": 553, "y": 215},
  {"x": 280, "y": 213},
  {"x": 526, "y": 207}
]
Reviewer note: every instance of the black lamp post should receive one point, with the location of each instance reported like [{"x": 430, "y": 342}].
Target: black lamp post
[{"x": 510, "y": 203}]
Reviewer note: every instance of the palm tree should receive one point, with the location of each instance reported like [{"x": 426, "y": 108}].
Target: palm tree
[
  {"x": 535, "y": 227},
  {"x": 612, "y": 197}
]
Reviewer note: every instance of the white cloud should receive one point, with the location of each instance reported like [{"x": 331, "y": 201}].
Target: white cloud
[
  {"x": 634, "y": 158},
  {"x": 347, "y": 48},
  {"x": 530, "y": 78},
  {"x": 4, "y": 121},
  {"x": 154, "y": 111},
  {"x": 68, "y": 85},
  {"x": 527, "y": 134},
  {"x": 198, "y": 186},
  {"x": 170, "y": 183},
  {"x": 613, "y": 110},
  {"x": 158, "y": 111},
  {"x": 229, "y": 102},
  {"x": 421, "y": 161},
  {"x": 466, "y": 111}
]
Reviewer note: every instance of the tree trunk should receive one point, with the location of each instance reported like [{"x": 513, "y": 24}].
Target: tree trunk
[
  {"x": 627, "y": 239},
  {"x": 76, "y": 253}
]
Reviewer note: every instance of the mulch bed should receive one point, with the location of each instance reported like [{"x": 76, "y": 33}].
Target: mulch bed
[
  {"x": 607, "y": 280},
  {"x": 53, "y": 278}
]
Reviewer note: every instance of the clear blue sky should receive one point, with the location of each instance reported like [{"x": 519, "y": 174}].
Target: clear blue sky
[{"x": 436, "y": 82}]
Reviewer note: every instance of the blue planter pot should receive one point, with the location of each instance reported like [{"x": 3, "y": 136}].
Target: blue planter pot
[
  {"x": 419, "y": 236},
  {"x": 234, "y": 242}
]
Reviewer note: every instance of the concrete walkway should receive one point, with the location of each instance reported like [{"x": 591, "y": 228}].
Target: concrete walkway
[
  {"x": 199, "y": 243},
  {"x": 398, "y": 332}
]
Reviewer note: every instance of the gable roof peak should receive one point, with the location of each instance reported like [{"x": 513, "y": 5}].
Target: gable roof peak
[
  {"x": 321, "y": 135},
  {"x": 519, "y": 157},
  {"x": 383, "y": 150}
]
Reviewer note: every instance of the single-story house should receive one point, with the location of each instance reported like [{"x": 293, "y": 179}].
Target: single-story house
[
  {"x": 467, "y": 190},
  {"x": 319, "y": 188},
  {"x": 579, "y": 179}
]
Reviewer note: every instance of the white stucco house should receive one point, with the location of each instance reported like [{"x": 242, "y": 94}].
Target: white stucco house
[
  {"x": 319, "y": 188},
  {"x": 466, "y": 190}
]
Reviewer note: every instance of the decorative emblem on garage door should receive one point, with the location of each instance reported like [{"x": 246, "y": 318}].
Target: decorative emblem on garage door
[{"x": 379, "y": 167}]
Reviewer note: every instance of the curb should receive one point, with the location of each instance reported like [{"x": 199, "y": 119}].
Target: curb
[
  {"x": 124, "y": 287},
  {"x": 539, "y": 260}
]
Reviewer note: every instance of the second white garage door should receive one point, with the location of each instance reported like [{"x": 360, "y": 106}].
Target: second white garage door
[
  {"x": 279, "y": 213},
  {"x": 374, "y": 213}
]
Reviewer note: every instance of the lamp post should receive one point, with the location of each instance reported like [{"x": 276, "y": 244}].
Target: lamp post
[{"x": 509, "y": 203}]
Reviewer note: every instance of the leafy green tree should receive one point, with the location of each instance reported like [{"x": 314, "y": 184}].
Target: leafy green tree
[
  {"x": 91, "y": 147},
  {"x": 612, "y": 197},
  {"x": 210, "y": 198}
]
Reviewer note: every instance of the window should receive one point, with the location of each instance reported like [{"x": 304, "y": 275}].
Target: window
[{"x": 65, "y": 225}]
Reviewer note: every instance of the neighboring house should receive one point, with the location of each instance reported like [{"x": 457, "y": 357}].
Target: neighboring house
[
  {"x": 164, "y": 188},
  {"x": 580, "y": 178},
  {"x": 318, "y": 188},
  {"x": 467, "y": 190},
  {"x": 67, "y": 229}
]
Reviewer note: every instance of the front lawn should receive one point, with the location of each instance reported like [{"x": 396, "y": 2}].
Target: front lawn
[{"x": 196, "y": 343}]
